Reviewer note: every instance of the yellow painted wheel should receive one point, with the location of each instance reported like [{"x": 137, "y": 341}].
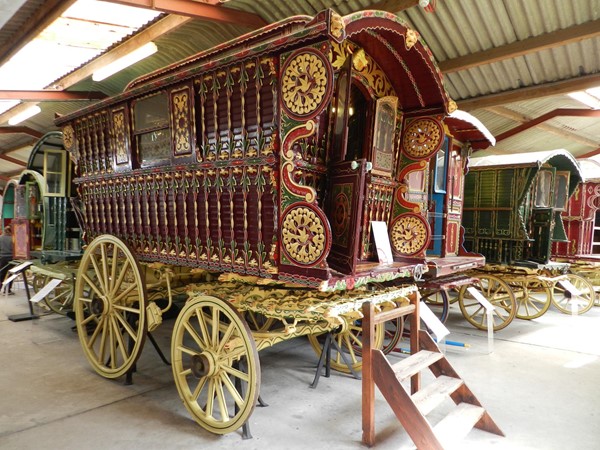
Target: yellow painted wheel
[
  {"x": 60, "y": 299},
  {"x": 110, "y": 306},
  {"x": 533, "y": 298},
  {"x": 350, "y": 343},
  {"x": 498, "y": 293},
  {"x": 215, "y": 364},
  {"x": 564, "y": 300}
]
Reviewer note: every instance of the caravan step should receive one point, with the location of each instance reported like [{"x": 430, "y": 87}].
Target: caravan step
[
  {"x": 415, "y": 363},
  {"x": 456, "y": 425},
  {"x": 432, "y": 395}
]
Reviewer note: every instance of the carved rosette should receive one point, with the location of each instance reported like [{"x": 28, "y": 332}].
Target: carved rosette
[
  {"x": 422, "y": 138},
  {"x": 305, "y": 84},
  {"x": 305, "y": 235},
  {"x": 68, "y": 137},
  {"x": 409, "y": 234}
]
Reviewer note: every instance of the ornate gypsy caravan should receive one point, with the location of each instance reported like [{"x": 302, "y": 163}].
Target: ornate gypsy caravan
[{"x": 256, "y": 169}]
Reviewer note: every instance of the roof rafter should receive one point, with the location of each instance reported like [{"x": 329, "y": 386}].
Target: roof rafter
[
  {"x": 394, "y": 5},
  {"x": 24, "y": 130},
  {"x": 557, "y": 38},
  {"x": 531, "y": 92},
  {"x": 13, "y": 160},
  {"x": 45, "y": 95},
  {"x": 512, "y": 115},
  {"x": 198, "y": 11},
  {"x": 571, "y": 112}
]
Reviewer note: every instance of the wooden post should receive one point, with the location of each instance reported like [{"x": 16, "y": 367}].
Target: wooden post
[
  {"x": 415, "y": 323},
  {"x": 368, "y": 385}
]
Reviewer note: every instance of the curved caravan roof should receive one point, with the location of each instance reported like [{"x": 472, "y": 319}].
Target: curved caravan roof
[
  {"x": 560, "y": 159},
  {"x": 395, "y": 47},
  {"x": 467, "y": 128},
  {"x": 590, "y": 170}
]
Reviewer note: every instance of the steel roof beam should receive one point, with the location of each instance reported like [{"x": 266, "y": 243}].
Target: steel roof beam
[
  {"x": 24, "y": 130},
  {"x": 557, "y": 38},
  {"x": 569, "y": 112},
  {"x": 13, "y": 160},
  {"x": 198, "y": 11},
  {"x": 43, "y": 95},
  {"x": 531, "y": 92}
]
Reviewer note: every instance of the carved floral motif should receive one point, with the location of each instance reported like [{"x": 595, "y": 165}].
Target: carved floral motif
[{"x": 304, "y": 83}]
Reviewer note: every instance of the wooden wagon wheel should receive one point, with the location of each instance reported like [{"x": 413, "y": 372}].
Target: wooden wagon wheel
[
  {"x": 350, "y": 343},
  {"x": 215, "y": 364},
  {"x": 563, "y": 298},
  {"x": 533, "y": 298},
  {"x": 498, "y": 293},
  {"x": 60, "y": 299},
  {"x": 438, "y": 302},
  {"x": 110, "y": 306}
]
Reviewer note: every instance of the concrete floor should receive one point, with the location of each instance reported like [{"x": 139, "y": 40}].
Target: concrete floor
[{"x": 540, "y": 385}]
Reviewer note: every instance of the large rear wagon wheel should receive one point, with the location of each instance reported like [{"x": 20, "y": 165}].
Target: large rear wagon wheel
[
  {"x": 110, "y": 306},
  {"x": 498, "y": 293},
  {"x": 215, "y": 364},
  {"x": 350, "y": 343},
  {"x": 563, "y": 299}
]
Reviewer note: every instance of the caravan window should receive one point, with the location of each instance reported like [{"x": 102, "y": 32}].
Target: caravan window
[
  {"x": 561, "y": 194},
  {"x": 151, "y": 130},
  {"x": 543, "y": 189}
]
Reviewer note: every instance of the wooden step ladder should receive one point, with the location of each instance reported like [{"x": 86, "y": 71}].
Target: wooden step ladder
[{"x": 411, "y": 408}]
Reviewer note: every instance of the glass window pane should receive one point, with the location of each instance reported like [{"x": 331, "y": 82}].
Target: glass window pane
[
  {"x": 561, "y": 190},
  {"x": 154, "y": 147},
  {"x": 543, "y": 189},
  {"x": 152, "y": 112}
]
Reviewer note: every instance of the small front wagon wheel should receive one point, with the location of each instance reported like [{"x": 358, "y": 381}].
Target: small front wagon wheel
[
  {"x": 215, "y": 364},
  {"x": 579, "y": 298},
  {"x": 110, "y": 306},
  {"x": 498, "y": 293}
]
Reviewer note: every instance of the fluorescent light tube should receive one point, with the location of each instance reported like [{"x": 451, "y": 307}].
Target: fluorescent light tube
[
  {"x": 125, "y": 61},
  {"x": 24, "y": 115}
]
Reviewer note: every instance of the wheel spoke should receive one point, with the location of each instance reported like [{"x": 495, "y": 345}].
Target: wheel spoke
[
  {"x": 195, "y": 336},
  {"x": 128, "y": 309},
  {"x": 105, "y": 267},
  {"x": 225, "y": 381},
  {"x": 126, "y": 326},
  {"x": 119, "y": 281},
  {"x": 203, "y": 328},
  {"x": 221, "y": 400},
  {"x": 99, "y": 275},
  {"x": 236, "y": 373},
  {"x": 92, "y": 285},
  {"x": 210, "y": 397},
  {"x": 118, "y": 298},
  {"x": 198, "y": 389},
  {"x": 119, "y": 338},
  {"x": 215, "y": 327},
  {"x": 228, "y": 332}
]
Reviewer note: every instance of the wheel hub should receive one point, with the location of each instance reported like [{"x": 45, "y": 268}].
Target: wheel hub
[
  {"x": 100, "y": 305},
  {"x": 204, "y": 365}
]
